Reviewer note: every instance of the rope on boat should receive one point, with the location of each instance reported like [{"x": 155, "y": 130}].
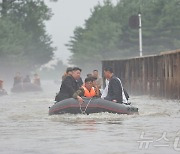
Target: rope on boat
[{"x": 84, "y": 112}]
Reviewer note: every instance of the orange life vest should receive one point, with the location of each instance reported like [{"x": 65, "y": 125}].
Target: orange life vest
[{"x": 88, "y": 93}]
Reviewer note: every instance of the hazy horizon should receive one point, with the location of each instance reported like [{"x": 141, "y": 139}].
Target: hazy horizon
[{"x": 67, "y": 15}]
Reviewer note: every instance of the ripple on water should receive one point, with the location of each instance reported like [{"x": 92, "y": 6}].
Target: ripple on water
[{"x": 26, "y": 127}]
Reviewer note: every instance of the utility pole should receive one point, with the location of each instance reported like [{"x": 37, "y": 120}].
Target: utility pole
[
  {"x": 140, "y": 34},
  {"x": 135, "y": 23}
]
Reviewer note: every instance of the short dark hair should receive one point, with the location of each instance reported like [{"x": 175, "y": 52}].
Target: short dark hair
[
  {"x": 76, "y": 68},
  {"x": 89, "y": 75},
  {"x": 89, "y": 79},
  {"x": 95, "y": 70},
  {"x": 69, "y": 69},
  {"x": 94, "y": 78},
  {"x": 109, "y": 69}
]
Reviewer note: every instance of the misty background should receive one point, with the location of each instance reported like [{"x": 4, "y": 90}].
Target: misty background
[
  {"x": 67, "y": 16},
  {"x": 48, "y": 36}
]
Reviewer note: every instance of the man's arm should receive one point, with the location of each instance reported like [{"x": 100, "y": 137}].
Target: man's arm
[
  {"x": 98, "y": 93},
  {"x": 78, "y": 95},
  {"x": 79, "y": 92}
]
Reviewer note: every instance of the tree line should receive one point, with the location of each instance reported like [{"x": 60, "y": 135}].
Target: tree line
[
  {"x": 24, "y": 42},
  {"x": 106, "y": 34}
]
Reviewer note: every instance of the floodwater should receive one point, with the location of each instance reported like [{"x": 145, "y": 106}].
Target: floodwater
[{"x": 26, "y": 127}]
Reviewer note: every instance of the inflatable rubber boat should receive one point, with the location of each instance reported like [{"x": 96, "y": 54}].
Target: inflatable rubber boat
[
  {"x": 92, "y": 105},
  {"x": 27, "y": 87}
]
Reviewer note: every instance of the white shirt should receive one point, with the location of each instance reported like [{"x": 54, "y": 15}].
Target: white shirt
[{"x": 105, "y": 91}]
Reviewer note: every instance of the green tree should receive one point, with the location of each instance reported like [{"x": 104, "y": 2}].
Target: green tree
[
  {"x": 107, "y": 35},
  {"x": 24, "y": 42},
  {"x": 97, "y": 39}
]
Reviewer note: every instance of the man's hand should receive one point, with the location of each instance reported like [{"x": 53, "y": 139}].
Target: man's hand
[
  {"x": 115, "y": 101},
  {"x": 80, "y": 100}
]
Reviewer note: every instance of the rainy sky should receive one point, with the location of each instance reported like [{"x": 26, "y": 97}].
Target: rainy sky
[{"x": 67, "y": 15}]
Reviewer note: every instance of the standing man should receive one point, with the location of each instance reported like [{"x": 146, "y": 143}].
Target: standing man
[
  {"x": 115, "y": 88},
  {"x": 36, "y": 80},
  {"x": 98, "y": 80},
  {"x": 2, "y": 90},
  {"x": 69, "y": 85},
  {"x": 17, "y": 79}
]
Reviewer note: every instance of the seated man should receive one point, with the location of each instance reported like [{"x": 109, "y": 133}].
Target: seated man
[
  {"x": 88, "y": 90},
  {"x": 27, "y": 79},
  {"x": 36, "y": 80},
  {"x": 2, "y": 90},
  {"x": 69, "y": 85},
  {"x": 17, "y": 79}
]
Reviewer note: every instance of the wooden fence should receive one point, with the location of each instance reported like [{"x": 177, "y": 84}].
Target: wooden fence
[{"x": 157, "y": 75}]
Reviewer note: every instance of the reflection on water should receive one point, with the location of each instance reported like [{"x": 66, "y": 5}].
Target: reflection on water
[{"x": 26, "y": 127}]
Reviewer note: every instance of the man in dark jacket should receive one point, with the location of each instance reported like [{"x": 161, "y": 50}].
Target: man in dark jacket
[
  {"x": 69, "y": 85},
  {"x": 115, "y": 89}
]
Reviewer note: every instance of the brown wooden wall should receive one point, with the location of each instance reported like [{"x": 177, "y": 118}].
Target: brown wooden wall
[{"x": 157, "y": 75}]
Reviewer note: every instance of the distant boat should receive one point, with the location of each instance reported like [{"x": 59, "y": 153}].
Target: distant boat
[
  {"x": 26, "y": 87},
  {"x": 94, "y": 105}
]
